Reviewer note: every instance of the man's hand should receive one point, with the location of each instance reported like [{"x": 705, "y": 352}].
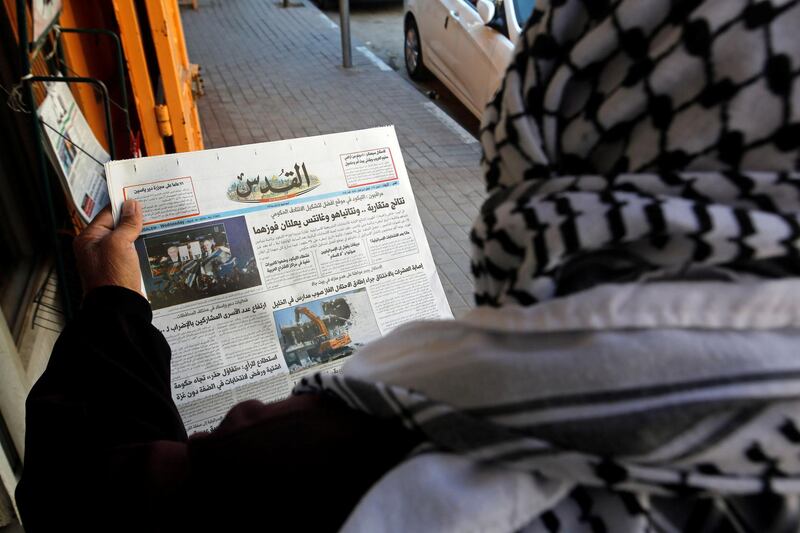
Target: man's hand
[{"x": 105, "y": 255}]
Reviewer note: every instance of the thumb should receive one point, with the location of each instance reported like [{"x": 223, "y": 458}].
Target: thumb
[{"x": 130, "y": 223}]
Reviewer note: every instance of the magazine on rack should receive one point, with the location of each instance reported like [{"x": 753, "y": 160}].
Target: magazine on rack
[
  {"x": 267, "y": 262},
  {"x": 74, "y": 151}
]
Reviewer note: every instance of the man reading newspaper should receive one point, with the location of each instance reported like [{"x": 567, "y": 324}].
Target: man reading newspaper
[{"x": 632, "y": 365}]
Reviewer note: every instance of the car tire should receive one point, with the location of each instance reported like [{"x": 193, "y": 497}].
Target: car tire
[{"x": 412, "y": 51}]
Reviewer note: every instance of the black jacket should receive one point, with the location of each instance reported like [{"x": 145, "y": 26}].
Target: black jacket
[{"x": 106, "y": 449}]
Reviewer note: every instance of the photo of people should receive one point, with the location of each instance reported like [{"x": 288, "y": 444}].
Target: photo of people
[
  {"x": 197, "y": 262},
  {"x": 325, "y": 330}
]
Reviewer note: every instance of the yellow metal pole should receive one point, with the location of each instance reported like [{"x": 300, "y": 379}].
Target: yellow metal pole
[
  {"x": 173, "y": 62},
  {"x": 142, "y": 86}
]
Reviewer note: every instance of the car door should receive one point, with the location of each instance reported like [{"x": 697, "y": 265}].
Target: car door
[
  {"x": 440, "y": 36},
  {"x": 476, "y": 74}
]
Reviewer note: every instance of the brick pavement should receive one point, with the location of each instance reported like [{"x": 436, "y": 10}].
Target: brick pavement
[{"x": 273, "y": 73}]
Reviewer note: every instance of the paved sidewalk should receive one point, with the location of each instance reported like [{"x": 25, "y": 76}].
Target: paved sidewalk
[{"x": 273, "y": 73}]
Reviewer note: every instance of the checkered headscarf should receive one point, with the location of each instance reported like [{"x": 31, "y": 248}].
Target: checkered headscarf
[
  {"x": 630, "y": 141},
  {"x": 642, "y": 139}
]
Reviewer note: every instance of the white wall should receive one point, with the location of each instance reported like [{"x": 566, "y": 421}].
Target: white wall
[{"x": 14, "y": 387}]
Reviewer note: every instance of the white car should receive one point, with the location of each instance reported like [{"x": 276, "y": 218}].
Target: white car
[{"x": 467, "y": 44}]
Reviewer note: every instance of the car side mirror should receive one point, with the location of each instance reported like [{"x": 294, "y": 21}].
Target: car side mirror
[{"x": 486, "y": 11}]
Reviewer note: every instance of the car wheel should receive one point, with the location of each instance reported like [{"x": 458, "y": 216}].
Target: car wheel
[{"x": 412, "y": 49}]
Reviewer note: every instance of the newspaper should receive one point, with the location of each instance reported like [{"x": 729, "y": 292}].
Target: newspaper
[
  {"x": 268, "y": 262},
  {"x": 74, "y": 151},
  {"x": 45, "y": 13}
]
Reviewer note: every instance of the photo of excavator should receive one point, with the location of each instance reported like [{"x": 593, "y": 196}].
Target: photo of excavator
[
  {"x": 325, "y": 331},
  {"x": 317, "y": 339}
]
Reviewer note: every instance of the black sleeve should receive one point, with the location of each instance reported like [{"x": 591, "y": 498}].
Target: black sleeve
[
  {"x": 107, "y": 451},
  {"x": 106, "y": 389}
]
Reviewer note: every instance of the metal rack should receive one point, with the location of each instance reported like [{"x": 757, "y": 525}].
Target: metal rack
[{"x": 27, "y": 51}]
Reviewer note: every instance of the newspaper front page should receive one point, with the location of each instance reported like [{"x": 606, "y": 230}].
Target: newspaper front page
[
  {"x": 267, "y": 262},
  {"x": 74, "y": 151}
]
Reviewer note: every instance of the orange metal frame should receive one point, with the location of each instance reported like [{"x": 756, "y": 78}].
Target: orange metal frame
[
  {"x": 76, "y": 52},
  {"x": 176, "y": 75},
  {"x": 139, "y": 76},
  {"x": 173, "y": 66}
]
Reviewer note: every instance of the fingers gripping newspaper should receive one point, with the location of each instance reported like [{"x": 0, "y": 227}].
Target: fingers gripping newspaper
[{"x": 264, "y": 263}]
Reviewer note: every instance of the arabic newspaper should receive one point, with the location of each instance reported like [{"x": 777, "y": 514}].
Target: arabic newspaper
[
  {"x": 267, "y": 262},
  {"x": 74, "y": 151},
  {"x": 44, "y": 13}
]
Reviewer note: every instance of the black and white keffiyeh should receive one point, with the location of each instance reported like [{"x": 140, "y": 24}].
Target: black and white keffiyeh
[
  {"x": 639, "y": 137},
  {"x": 642, "y": 144}
]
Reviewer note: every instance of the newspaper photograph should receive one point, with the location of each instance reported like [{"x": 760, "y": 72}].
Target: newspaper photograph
[
  {"x": 345, "y": 321},
  {"x": 197, "y": 262},
  {"x": 269, "y": 262},
  {"x": 74, "y": 151}
]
